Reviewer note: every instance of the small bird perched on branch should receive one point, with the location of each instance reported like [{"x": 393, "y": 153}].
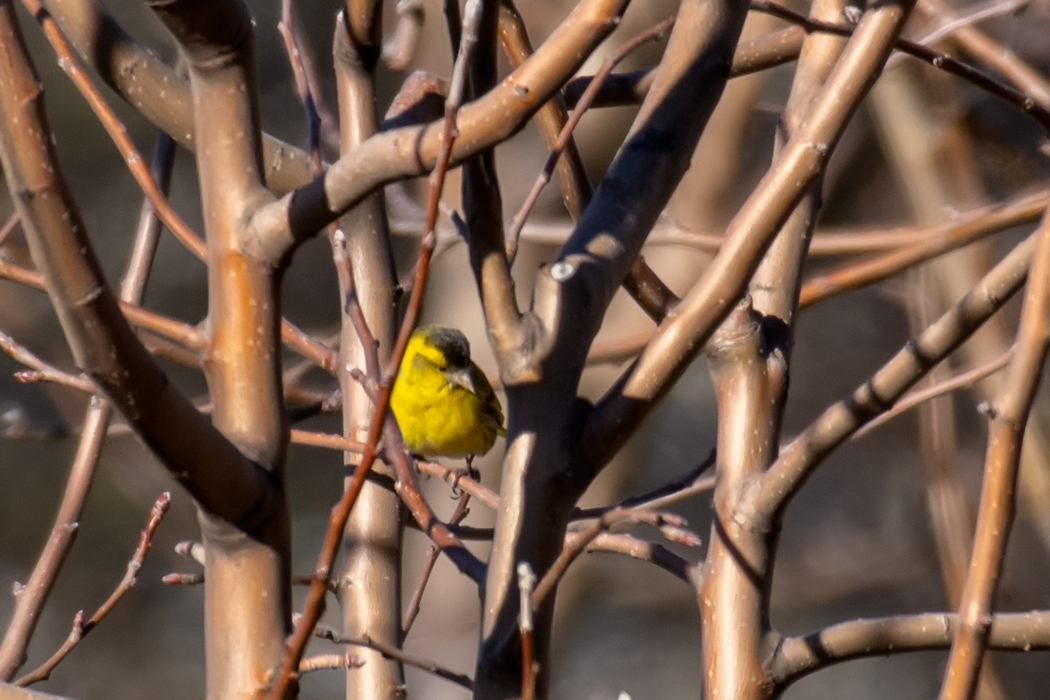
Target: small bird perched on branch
[{"x": 442, "y": 401}]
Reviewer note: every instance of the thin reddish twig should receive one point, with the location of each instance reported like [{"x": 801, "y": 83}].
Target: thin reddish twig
[
  {"x": 314, "y": 604},
  {"x": 412, "y": 610},
  {"x": 654, "y": 33},
  {"x": 942, "y": 61},
  {"x": 42, "y": 371},
  {"x": 390, "y": 652},
  {"x": 526, "y": 583},
  {"x": 81, "y": 628}
]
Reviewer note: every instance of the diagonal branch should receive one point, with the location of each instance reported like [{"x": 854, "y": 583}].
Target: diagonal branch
[
  {"x": 998, "y": 504},
  {"x": 413, "y": 151},
  {"x": 543, "y": 473},
  {"x": 837, "y": 423},
  {"x": 32, "y": 597},
  {"x": 153, "y": 88},
  {"x": 677, "y": 340},
  {"x": 103, "y": 344}
]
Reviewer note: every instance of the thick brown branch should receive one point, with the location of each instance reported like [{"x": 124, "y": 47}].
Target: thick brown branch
[
  {"x": 34, "y": 594},
  {"x": 103, "y": 344},
  {"x": 247, "y": 588},
  {"x": 152, "y": 87},
  {"x": 413, "y": 151},
  {"x": 542, "y": 476}
]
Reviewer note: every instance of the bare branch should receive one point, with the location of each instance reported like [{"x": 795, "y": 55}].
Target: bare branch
[
  {"x": 542, "y": 475},
  {"x": 761, "y": 53},
  {"x": 414, "y": 151},
  {"x": 369, "y": 582},
  {"x": 914, "y": 398},
  {"x": 1024, "y": 102},
  {"x": 676, "y": 342},
  {"x": 798, "y": 460},
  {"x": 394, "y": 653},
  {"x": 799, "y": 656},
  {"x": 139, "y": 76},
  {"x": 82, "y": 628},
  {"x": 998, "y": 504},
  {"x": 943, "y": 239},
  {"x": 103, "y": 344}
]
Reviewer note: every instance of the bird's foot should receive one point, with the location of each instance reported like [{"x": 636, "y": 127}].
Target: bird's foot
[{"x": 457, "y": 474}]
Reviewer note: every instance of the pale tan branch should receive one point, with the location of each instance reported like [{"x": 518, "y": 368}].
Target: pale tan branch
[
  {"x": 621, "y": 410},
  {"x": 799, "y": 656},
  {"x": 369, "y": 581},
  {"x": 941, "y": 240},
  {"x": 1008, "y": 417},
  {"x": 914, "y": 398},
  {"x": 413, "y": 151},
  {"x": 103, "y": 344},
  {"x": 153, "y": 88},
  {"x": 802, "y": 456}
]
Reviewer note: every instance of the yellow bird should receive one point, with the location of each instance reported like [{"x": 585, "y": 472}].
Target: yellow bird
[{"x": 442, "y": 401}]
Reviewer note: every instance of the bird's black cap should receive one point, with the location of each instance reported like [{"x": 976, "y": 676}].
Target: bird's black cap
[{"x": 453, "y": 344}]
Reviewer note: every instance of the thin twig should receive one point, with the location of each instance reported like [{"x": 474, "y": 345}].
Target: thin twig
[
  {"x": 81, "y": 628},
  {"x": 526, "y": 582},
  {"x": 655, "y": 33},
  {"x": 42, "y": 371},
  {"x": 672, "y": 526},
  {"x": 457, "y": 479},
  {"x": 993, "y": 54},
  {"x": 914, "y": 398},
  {"x": 696, "y": 480},
  {"x": 325, "y": 632},
  {"x": 651, "y": 553},
  {"x": 428, "y": 567},
  {"x": 341, "y": 512},
  {"x": 996, "y": 8},
  {"x": 1008, "y": 93}
]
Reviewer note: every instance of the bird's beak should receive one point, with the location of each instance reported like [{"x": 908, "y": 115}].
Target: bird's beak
[{"x": 462, "y": 378}]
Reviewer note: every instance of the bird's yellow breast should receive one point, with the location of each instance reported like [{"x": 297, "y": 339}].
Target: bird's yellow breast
[{"x": 436, "y": 408}]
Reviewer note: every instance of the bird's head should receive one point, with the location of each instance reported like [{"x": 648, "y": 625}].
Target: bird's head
[{"x": 446, "y": 347}]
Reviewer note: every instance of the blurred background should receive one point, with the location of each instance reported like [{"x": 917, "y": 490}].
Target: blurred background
[{"x": 858, "y": 541}]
